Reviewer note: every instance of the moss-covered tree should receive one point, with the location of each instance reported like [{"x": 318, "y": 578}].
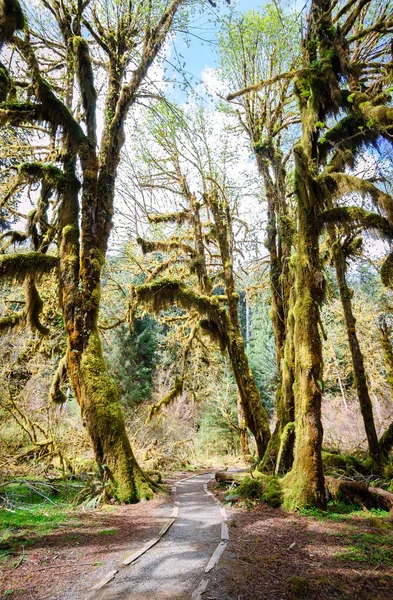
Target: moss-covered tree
[
  {"x": 343, "y": 102},
  {"x": 109, "y": 44},
  {"x": 204, "y": 244},
  {"x": 259, "y": 46}
]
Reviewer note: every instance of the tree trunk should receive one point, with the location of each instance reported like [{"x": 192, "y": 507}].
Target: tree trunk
[
  {"x": 386, "y": 440},
  {"x": 104, "y": 421},
  {"x": 254, "y": 411},
  {"x": 356, "y": 353},
  {"x": 285, "y": 404},
  {"x": 279, "y": 244},
  {"x": 94, "y": 389},
  {"x": 244, "y": 445},
  {"x": 304, "y": 485}
]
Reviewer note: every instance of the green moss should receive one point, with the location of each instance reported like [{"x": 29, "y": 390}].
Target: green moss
[
  {"x": 344, "y": 462},
  {"x": 298, "y": 588},
  {"x": 17, "y": 266},
  {"x": 262, "y": 487},
  {"x": 37, "y": 171},
  {"x": 167, "y": 399},
  {"x": 356, "y": 215},
  {"x": 11, "y": 321},
  {"x": 5, "y": 83},
  {"x": 173, "y": 243},
  {"x": 105, "y": 421},
  {"x": 176, "y": 217},
  {"x": 386, "y": 271}
]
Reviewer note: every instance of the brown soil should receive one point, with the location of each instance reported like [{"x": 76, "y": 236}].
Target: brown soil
[{"x": 276, "y": 555}]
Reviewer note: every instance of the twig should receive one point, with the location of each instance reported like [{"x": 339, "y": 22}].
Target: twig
[
  {"x": 63, "y": 566},
  {"x": 20, "y": 561}
]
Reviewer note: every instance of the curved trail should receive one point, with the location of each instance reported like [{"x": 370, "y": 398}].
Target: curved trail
[{"x": 174, "y": 567}]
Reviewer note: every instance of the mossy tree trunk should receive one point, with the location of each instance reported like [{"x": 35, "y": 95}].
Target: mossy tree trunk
[
  {"x": 254, "y": 412},
  {"x": 279, "y": 245},
  {"x": 386, "y": 440},
  {"x": 366, "y": 408},
  {"x": 244, "y": 445},
  {"x": 304, "y": 485}
]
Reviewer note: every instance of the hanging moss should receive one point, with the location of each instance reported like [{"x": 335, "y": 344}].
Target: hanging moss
[
  {"x": 37, "y": 171},
  {"x": 177, "y": 217},
  {"x": 55, "y": 393},
  {"x": 167, "y": 246},
  {"x": 10, "y": 321},
  {"x": 104, "y": 420},
  {"x": 14, "y": 237},
  {"x": 165, "y": 292},
  {"x": 5, "y": 83},
  {"x": 354, "y": 215},
  {"x": 16, "y": 267},
  {"x": 339, "y": 184},
  {"x": 34, "y": 306},
  {"x": 386, "y": 271},
  {"x": 17, "y": 113}
]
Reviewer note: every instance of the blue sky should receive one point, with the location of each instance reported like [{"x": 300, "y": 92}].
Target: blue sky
[{"x": 197, "y": 54}]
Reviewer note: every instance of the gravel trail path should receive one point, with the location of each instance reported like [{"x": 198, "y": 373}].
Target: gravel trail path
[{"x": 174, "y": 568}]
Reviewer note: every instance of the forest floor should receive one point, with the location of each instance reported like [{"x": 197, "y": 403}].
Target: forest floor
[
  {"x": 345, "y": 554},
  {"x": 271, "y": 554}
]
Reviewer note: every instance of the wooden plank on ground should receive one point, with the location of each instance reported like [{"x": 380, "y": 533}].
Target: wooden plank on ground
[
  {"x": 216, "y": 556},
  {"x": 138, "y": 553},
  {"x": 201, "y": 589},
  {"x": 106, "y": 579},
  {"x": 166, "y": 527}
]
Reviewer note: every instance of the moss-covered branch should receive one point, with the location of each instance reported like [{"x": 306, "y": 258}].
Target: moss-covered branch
[
  {"x": 175, "y": 217},
  {"x": 167, "y": 291},
  {"x": 10, "y": 321},
  {"x": 34, "y": 306},
  {"x": 54, "y": 110},
  {"x": 386, "y": 271},
  {"x": 17, "y": 113},
  {"x": 167, "y": 246},
  {"x": 339, "y": 184},
  {"x": 357, "y": 217},
  {"x": 55, "y": 393},
  {"x": 261, "y": 84},
  {"x": 167, "y": 399},
  {"x": 17, "y": 267}
]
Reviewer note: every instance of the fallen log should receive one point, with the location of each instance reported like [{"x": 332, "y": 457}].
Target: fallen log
[
  {"x": 230, "y": 476},
  {"x": 358, "y": 492}
]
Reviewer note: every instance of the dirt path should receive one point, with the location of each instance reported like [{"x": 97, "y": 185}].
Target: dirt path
[{"x": 175, "y": 566}]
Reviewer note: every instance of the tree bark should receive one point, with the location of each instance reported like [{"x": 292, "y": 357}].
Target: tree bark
[
  {"x": 366, "y": 407},
  {"x": 304, "y": 485},
  {"x": 279, "y": 244},
  {"x": 386, "y": 440},
  {"x": 254, "y": 411}
]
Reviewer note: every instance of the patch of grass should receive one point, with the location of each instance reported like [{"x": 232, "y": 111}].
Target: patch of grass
[
  {"x": 369, "y": 548},
  {"x": 338, "y": 511},
  {"x": 31, "y": 509},
  {"x": 107, "y": 531}
]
